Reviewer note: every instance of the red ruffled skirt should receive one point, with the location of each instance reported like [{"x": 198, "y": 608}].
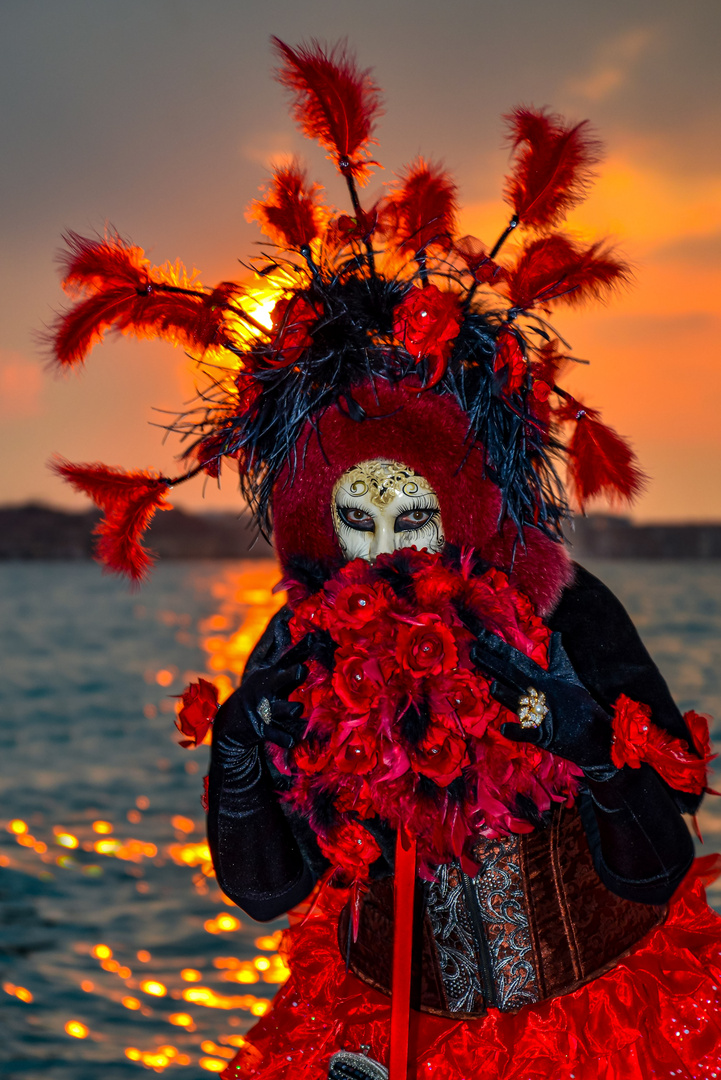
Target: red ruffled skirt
[{"x": 656, "y": 1014}]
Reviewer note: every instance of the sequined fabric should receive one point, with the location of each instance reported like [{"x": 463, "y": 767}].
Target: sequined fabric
[{"x": 656, "y": 1015}]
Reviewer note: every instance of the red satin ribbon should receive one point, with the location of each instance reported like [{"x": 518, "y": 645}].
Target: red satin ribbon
[{"x": 405, "y": 881}]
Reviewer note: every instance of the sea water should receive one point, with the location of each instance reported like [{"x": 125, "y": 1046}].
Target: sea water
[{"x": 118, "y": 953}]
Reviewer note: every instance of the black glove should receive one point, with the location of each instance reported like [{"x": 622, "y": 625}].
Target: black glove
[
  {"x": 259, "y": 710},
  {"x": 257, "y": 861},
  {"x": 640, "y": 844},
  {"x": 575, "y": 726}
]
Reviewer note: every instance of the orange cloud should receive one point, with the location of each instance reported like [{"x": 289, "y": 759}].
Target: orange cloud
[
  {"x": 615, "y": 62},
  {"x": 21, "y": 383}
]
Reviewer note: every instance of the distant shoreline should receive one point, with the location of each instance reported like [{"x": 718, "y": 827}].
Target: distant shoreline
[{"x": 36, "y": 531}]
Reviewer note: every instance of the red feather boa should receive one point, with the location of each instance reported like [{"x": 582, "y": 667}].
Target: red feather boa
[{"x": 402, "y": 726}]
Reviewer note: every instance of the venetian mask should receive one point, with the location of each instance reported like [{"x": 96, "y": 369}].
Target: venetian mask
[{"x": 379, "y": 506}]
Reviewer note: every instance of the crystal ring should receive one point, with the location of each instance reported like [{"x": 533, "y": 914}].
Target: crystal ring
[
  {"x": 532, "y": 708},
  {"x": 264, "y": 710}
]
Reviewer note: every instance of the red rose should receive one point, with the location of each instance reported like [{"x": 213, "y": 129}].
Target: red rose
[
  {"x": 356, "y": 680},
  {"x": 631, "y": 725},
  {"x": 350, "y": 847},
  {"x": 196, "y": 714},
  {"x": 467, "y": 697},
  {"x": 426, "y": 323},
  {"x": 674, "y": 763},
  {"x": 426, "y": 647},
  {"x": 356, "y": 605},
  {"x": 355, "y": 752},
  {"x": 697, "y": 724},
  {"x": 308, "y": 616},
  {"x": 292, "y": 323},
  {"x": 440, "y": 756},
  {"x": 510, "y": 360}
]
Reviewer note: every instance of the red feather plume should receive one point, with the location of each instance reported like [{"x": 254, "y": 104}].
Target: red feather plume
[
  {"x": 600, "y": 461},
  {"x": 553, "y": 165},
  {"x": 126, "y": 294},
  {"x": 334, "y": 101},
  {"x": 553, "y": 267},
  {"x": 129, "y": 501},
  {"x": 423, "y": 208},
  {"x": 289, "y": 214}
]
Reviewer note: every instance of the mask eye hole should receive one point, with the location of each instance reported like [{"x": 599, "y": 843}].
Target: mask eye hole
[
  {"x": 356, "y": 518},
  {"x": 412, "y": 520}
]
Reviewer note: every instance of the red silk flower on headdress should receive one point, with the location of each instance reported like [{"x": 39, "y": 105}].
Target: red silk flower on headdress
[
  {"x": 197, "y": 712},
  {"x": 292, "y": 323},
  {"x": 510, "y": 361},
  {"x": 426, "y": 323}
]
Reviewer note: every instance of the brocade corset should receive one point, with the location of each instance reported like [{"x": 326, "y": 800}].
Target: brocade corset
[{"x": 534, "y": 923}]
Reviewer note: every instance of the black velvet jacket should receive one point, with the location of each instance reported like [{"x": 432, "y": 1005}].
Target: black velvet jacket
[{"x": 267, "y": 860}]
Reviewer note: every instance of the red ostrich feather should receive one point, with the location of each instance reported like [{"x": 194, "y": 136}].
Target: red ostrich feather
[
  {"x": 129, "y": 296},
  {"x": 554, "y": 268},
  {"x": 600, "y": 461},
  {"x": 553, "y": 165},
  {"x": 335, "y": 102},
  {"x": 289, "y": 214},
  {"x": 423, "y": 207},
  {"x": 129, "y": 501}
]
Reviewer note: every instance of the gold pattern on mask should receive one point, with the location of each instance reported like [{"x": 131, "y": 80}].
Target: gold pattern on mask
[{"x": 381, "y": 481}]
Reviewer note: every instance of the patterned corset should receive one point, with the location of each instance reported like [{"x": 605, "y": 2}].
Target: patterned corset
[{"x": 534, "y": 923}]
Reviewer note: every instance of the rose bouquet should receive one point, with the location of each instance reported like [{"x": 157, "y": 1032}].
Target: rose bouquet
[{"x": 400, "y": 724}]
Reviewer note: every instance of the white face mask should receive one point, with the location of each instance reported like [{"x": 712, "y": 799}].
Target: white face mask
[{"x": 379, "y": 506}]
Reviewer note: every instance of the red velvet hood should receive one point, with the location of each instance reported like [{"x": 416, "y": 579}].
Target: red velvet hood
[{"x": 428, "y": 432}]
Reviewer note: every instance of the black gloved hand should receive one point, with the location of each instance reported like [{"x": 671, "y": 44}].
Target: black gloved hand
[
  {"x": 575, "y": 727},
  {"x": 259, "y": 710}
]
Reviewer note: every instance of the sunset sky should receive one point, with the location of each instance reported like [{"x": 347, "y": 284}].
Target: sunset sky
[{"x": 160, "y": 117}]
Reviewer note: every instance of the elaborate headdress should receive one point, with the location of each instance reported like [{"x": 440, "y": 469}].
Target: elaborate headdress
[{"x": 385, "y": 316}]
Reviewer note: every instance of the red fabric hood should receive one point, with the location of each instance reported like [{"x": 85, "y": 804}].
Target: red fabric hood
[{"x": 427, "y": 432}]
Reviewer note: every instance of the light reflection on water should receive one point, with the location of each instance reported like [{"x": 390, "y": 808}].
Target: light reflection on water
[{"x": 118, "y": 950}]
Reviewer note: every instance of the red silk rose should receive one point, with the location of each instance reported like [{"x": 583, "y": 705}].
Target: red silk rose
[
  {"x": 510, "y": 362},
  {"x": 426, "y": 323},
  {"x": 351, "y": 848},
  {"x": 440, "y": 756},
  {"x": 292, "y": 323},
  {"x": 637, "y": 739},
  {"x": 631, "y": 726},
  {"x": 356, "y": 680},
  {"x": 355, "y": 753},
  {"x": 197, "y": 712},
  {"x": 426, "y": 647}
]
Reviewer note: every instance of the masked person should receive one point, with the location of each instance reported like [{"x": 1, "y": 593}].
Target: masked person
[{"x": 451, "y": 745}]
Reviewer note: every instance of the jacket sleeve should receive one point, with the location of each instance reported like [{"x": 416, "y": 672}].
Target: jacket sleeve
[
  {"x": 640, "y": 843},
  {"x": 257, "y": 860}
]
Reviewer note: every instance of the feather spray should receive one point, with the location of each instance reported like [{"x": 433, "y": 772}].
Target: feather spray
[
  {"x": 424, "y": 207},
  {"x": 129, "y": 501},
  {"x": 554, "y": 268},
  {"x": 127, "y": 295},
  {"x": 600, "y": 461},
  {"x": 289, "y": 214},
  {"x": 553, "y": 166},
  {"x": 335, "y": 102}
]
